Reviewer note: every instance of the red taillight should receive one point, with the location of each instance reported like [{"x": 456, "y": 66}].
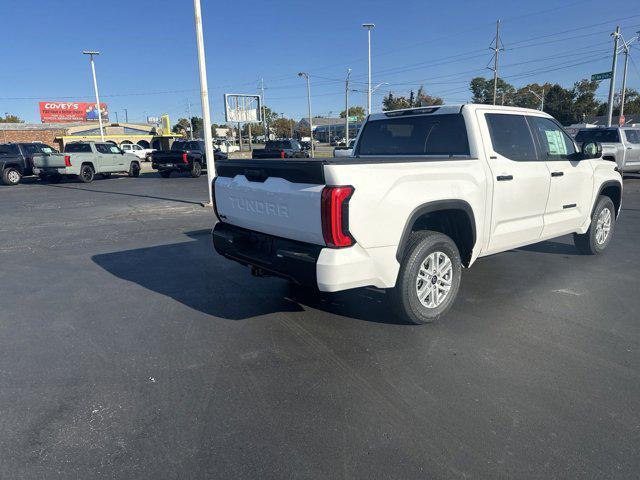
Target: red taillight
[
  {"x": 67, "y": 160},
  {"x": 335, "y": 216},
  {"x": 281, "y": 153},
  {"x": 184, "y": 158}
]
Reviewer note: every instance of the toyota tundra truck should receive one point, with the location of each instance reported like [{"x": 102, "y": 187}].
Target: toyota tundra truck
[{"x": 427, "y": 191}]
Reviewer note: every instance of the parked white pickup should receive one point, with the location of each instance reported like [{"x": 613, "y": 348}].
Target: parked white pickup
[{"x": 427, "y": 191}]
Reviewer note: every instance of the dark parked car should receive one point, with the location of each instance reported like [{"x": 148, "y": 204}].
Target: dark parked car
[
  {"x": 281, "y": 149},
  {"x": 184, "y": 156},
  {"x": 16, "y": 160},
  {"x": 306, "y": 146}
]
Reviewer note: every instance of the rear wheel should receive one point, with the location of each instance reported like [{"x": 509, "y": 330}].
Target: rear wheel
[
  {"x": 196, "y": 169},
  {"x": 87, "y": 174},
  {"x": 134, "y": 169},
  {"x": 600, "y": 231},
  {"x": 11, "y": 176},
  {"x": 165, "y": 173},
  {"x": 429, "y": 278}
]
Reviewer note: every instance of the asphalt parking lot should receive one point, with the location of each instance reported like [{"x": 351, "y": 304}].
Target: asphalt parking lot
[{"x": 129, "y": 349}]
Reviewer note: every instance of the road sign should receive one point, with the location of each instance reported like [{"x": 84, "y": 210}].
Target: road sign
[
  {"x": 242, "y": 108},
  {"x": 353, "y": 119},
  {"x": 601, "y": 76}
]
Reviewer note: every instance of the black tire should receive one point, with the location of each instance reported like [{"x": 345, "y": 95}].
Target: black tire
[
  {"x": 591, "y": 243},
  {"x": 404, "y": 296},
  {"x": 196, "y": 169},
  {"x": 134, "y": 169},
  {"x": 87, "y": 174},
  {"x": 11, "y": 176},
  {"x": 165, "y": 173},
  {"x": 42, "y": 177}
]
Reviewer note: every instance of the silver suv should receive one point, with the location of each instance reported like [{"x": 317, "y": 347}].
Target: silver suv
[{"x": 619, "y": 144}]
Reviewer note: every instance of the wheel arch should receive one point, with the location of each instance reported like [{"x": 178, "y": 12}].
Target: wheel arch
[
  {"x": 613, "y": 190},
  {"x": 15, "y": 165},
  {"x": 453, "y": 217}
]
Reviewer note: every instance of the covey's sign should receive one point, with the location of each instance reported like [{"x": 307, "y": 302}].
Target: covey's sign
[{"x": 71, "y": 112}]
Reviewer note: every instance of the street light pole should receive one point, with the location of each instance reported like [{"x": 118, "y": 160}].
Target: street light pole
[
  {"x": 625, "y": 50},
  {"x": 369, "y": 26},
  {"x": 346, "y": 108},
  {"x": 306, "y": 76},
  {"x": 204, "y": 98},
  {"x": 95, "y": 87},
  {"x": 539, "y": 97},
  {"x": 616, "y": 38}
]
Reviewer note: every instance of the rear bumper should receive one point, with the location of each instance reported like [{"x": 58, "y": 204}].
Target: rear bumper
[
  {"x": 53, "y": 171},
  {"x": 328, "y": 269},
  {"x": 182, "y": 167},
  {"x": 273, "y": 255}
]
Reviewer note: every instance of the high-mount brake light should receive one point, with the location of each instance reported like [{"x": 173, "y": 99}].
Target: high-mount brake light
[
  {"x": 335, "y": 216},
  {"x": 67, "y": 160},
  {"x": 184, "y": 158}
]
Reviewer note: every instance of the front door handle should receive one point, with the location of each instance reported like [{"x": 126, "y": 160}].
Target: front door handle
[
  {"x": 504, "y": 178},
  {"x": 557, "y": 174}
]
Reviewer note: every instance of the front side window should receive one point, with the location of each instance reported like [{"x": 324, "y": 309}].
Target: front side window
[
  {"x": 415, "y": 135},
  {"x": 46, "y": 149},
  {"x": 633, "y": 136},
  {"x": 114, "y": 149},
  {"x": 30, "y": 148},
  {"x": 511, "y": 137},
  {"x": 554, "y": 143}
]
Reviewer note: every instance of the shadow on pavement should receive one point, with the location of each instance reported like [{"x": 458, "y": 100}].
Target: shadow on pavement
[
  {"x": 193, "y": 274},
  {"x": 551, "y": 247}
]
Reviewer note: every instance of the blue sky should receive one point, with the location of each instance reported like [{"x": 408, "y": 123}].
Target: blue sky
[{"x": 149, "y": 65}]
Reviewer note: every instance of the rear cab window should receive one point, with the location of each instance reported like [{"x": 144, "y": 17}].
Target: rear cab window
[
  {"x": 438, "y": 135},
  {"x": 8, "y": 149},
  {"x": 77, "y": 148}
]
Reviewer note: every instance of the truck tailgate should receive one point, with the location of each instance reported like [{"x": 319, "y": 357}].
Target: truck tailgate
[
  {"x": 49, "y": 160},
  {"x": 277, "y": 197}
]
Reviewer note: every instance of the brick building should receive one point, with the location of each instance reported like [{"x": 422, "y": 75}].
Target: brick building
[{"x": 34, "y": 132}]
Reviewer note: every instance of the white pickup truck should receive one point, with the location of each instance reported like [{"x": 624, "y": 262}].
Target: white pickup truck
[{"x": 427, "y": 191}]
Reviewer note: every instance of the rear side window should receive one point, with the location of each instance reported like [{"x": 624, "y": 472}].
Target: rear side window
[
  {"x": 598, "y": 135},
  {"x": 510, "y": 136},
  {"x": 633, "y": 136},
  {"x": 30, "y": 148},
  {"x": 415, "y": 135},
  {"x": 78, "y": 148}
]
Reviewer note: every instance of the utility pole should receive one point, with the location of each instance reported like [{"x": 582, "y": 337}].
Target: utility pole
[
  {"x": 240, "y": 135},
  {"x": 264, "y": 111},
  {"x": 625, "y": 50},
  {"x": 369, "y": 26},
  {"x": 306, "y": 76},
  {"x": 126, "y": 116},
  {"x": 346, "y": 107},
  {"x": 616, "y": 37},
  {"x": 190, "y": 120},
  {"x": 204, "y": 98},
  {"x": 117, "y": 121},
  {"x": 95, "y": 87},
  {"x": 496, "y": 53}
]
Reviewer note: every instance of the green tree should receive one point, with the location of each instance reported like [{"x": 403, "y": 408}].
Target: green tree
[
  {"x": 482, "y": 90},
  {"x": 390, "y": 102},
  {"x": 558, "y": 103},
  {"x": 9, "y": 118},
  {"x": 354, "y": 112},
  {"x": 424, "y": 99},
  {"x": 182, "y": 127},
  {"x": 585, "y": 102}
]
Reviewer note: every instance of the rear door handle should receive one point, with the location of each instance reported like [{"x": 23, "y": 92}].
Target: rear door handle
[
  {"x": 557, "y": 174},
  {"x": 504, "y": 178}
]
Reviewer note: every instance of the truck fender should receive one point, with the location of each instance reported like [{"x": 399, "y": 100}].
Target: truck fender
[
  {"x": 614, "y": 190},
  {"x": 432, "y": 207}
]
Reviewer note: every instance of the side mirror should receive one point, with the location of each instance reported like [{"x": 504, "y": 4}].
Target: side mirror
[{"x": 591, "y": 150}]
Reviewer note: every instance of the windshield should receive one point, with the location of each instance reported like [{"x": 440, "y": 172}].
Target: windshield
[
  {"x": 415, "y": 135},
  {"x": 78, "y": 148},
  {"x": 9, "y": 149},
  {"x": 598, "y": 135}
]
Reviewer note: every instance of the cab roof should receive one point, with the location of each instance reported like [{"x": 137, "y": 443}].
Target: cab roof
[{"x": 449, "y": 109}]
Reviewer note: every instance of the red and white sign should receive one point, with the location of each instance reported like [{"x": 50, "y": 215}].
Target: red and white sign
[{"x": 56, "y": 112}]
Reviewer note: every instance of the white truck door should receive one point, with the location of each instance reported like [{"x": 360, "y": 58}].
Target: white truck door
[
  {"x": 520, "y": 181},
  {"x": 104, "y": 159},
  {"x": 571, "y": 189},
  {"x": 632, "y": 146}
]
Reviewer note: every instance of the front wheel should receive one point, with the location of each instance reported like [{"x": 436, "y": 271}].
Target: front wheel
[
  {"x": 429, "y": 278},
  {"x": 196, "y": 169},
  {"x": 600, "y": 231},
  {"x": 11, "y": 176}
]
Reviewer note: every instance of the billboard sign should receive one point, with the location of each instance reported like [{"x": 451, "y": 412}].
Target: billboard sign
[
  {"x": 57, "y": 112},
  {"x": 242, "y": 108}
]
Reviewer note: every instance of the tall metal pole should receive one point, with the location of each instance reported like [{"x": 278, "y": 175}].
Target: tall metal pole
[
  {"x": 264, "y": 111},
  {"x": 204, "y": 98},
  {"x": 616, "y": 37},
  {"x": 624, "y": 81},
  {"x": 496, "y": 53},
  {"x": 190, "y": 119},
  {"x": 369, "y": 26},
  {"x": 306, "y": 76},
  {"x": 126, "y": 115},
  {"x": 117, "y": 121},
  {"x": 346, "y": 108},
  {"x": 95, "y": 87}
]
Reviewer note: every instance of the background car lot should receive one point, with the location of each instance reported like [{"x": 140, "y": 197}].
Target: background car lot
[{"x": 128, "y": 349}]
